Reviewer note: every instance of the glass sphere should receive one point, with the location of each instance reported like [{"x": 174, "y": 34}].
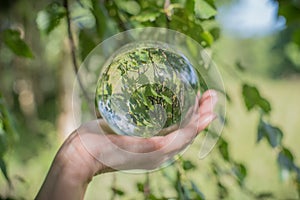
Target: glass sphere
[{"x": 145, "y": 88}]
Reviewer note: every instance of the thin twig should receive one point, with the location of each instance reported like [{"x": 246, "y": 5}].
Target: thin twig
[
  {"x": 147, "y": 191},
  {"x": 70, "y": 36},
  {"x": 73, "y": 52}
]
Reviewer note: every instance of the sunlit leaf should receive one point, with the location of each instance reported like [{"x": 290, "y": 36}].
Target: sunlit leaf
[
  {"x": 13, "y": 40},
  {"x": 131, "y": 7},
  {"x": 82, "y": 16},
  {"x": 167, "y": 99},
  {"x": 50, "y": 17},
  {"x": 204, "y": 10},
  {"x": 253, "y": 98},
  {"x": 148, "y": 15},
  {"x": 207, "y": 37},
  {"x": 153, "y": 91}
]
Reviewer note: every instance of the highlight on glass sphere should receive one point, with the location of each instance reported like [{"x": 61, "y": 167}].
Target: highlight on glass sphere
[{"x": 146, "y": 89}]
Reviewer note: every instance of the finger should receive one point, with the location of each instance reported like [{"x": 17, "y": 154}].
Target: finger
[
  {"x": 98, "y": 126},
  {"x": 197, "y": 101},
  {"x": 205, "y": 120},
  {"x": 208, "y": 94},
  {"x": 177, "y": 141},
  {"x": 208, "y": 104}
]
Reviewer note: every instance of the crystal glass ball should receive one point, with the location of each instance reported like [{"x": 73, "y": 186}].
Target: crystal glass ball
[{"x": 146, "y": 88}]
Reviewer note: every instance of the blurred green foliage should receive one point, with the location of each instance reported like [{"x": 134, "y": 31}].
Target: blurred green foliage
[
  {"x": 34, "y": 97},
  {"x": 7, "y": 136}
]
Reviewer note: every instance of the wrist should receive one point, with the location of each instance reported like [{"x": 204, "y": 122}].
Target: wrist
[{"x": 74, "y": 160}]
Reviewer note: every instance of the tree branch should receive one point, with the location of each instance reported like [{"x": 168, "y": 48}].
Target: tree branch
[{"x": 73, "y": 52}]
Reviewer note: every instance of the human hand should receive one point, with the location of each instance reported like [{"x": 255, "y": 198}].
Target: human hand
[
  {"x": 94, "y": 148},
  {"x": 118, "y": 152}
]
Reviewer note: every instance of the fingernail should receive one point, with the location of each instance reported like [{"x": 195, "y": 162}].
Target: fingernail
[
  {"x": 213, "y": 93},
  {"x": 214, "y": 100}
]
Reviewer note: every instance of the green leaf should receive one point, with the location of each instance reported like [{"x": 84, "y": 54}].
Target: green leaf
[
  {"x": 271, "y": 133},
  {"x": 86, "y": 44},
  {"x": 222, "y": 190},
  {"x": 7, "y": 131},
  {"x": 189, "y": 7},
  {"x": 109, "y": 89},
  {"x": 188, "y": 165},
  {"x": 140, "y": 187},
  {"x": 82, "y": 16},
  {"x": 169, "y": 174},
  {"x": 153, "y": 197},
  {"x": 50, "y": 17},
  {"x": 143, "y": 79},
  {"x": 102, "y": 20},
  {"x": 298, "y": 180},
  {"x": 240, "y": 172},
  {"x": 215, "y": 32},
  {"x": 290, "y": 11},
  {"x": 223, "y": 149},
  {"x": 154, "y": 92},
  {"x": 253, "y": 98},
  {"x": 204, "y": 10},
  {"x": 167, "y": 99},
  {"x": 200, "y": 195},
  {"x": 118, "y": 191},
  {"x": 3, "y": 139},
  {"x": 131, "y": 7},
  {"x": 296, "y": 37},
  {"x": 240, "y": 66},
  {"x": 265, "y": 195},
  {"x": 207, "y": 37},
  {"x": 185, "y": 22},
  {"x": 148, "y": 15},
  {"x": 4, "y": 170},
  {"x": 12, "y": 39},
  {"x": 285, "y": 160}
]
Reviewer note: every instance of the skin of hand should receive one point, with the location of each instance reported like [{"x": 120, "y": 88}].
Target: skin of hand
[{"x": 94, "y": 149}]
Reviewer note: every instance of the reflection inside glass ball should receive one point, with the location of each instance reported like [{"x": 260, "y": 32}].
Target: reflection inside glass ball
[{"x": 146, "y": 88}]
